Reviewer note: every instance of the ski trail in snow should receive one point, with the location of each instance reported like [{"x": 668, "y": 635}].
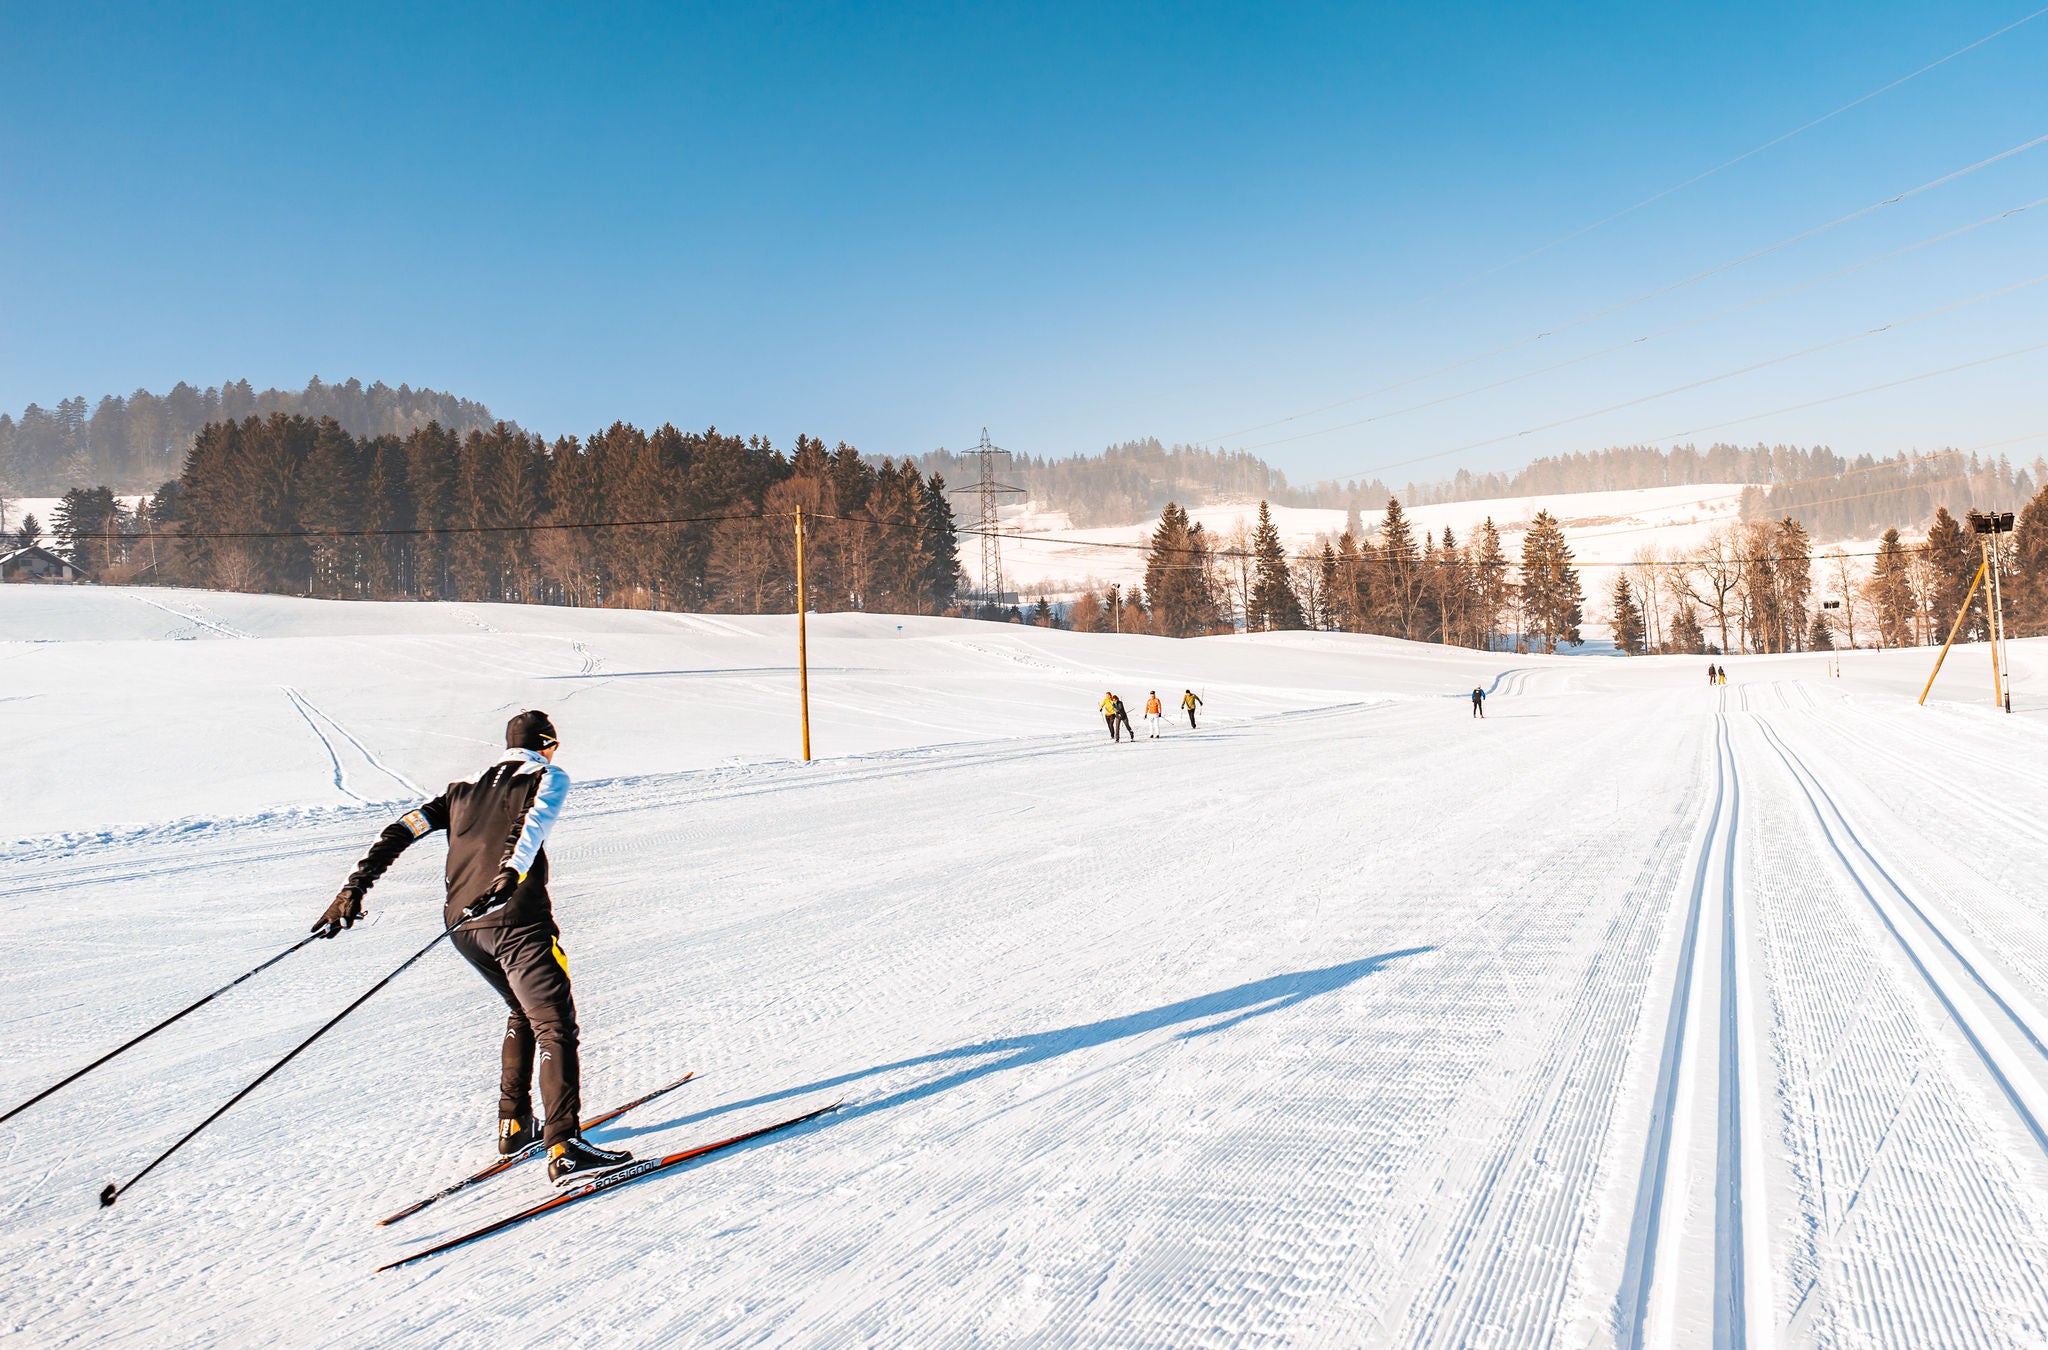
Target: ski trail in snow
[
  {"x": 209, "y": 625},
  {"x": 411, "y": 788},
  {"x": 1945, "y": 967},
  {"x": 333, "y": 758},
  {"x": 315, "y": 720},
  {"x": 1647, "y": 1304},
  {"x": 1916, "y": 1172}
]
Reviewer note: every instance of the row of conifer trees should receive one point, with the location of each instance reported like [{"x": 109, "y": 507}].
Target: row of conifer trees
[
  {"x": 1425, "y": 588},
  {"x": 627, "y": 518}
]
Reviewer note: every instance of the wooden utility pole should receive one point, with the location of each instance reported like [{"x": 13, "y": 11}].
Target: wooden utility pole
[
  {"x": 1955, "y": 628},
  {"x": 1988, "y": 526},
  {"x": 803, "y": 655}
]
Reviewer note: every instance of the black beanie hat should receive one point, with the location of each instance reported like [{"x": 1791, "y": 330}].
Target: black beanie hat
[{"x": 529, "y": 731}]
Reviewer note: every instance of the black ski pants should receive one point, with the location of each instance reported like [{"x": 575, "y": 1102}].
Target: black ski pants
[
  {"x": 1191, "y": 719},
  {"x": 527, "y": 968},
  {"x": 1111, "y": 719}
]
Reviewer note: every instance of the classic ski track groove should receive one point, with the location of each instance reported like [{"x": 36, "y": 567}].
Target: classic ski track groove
[
  {"x": 1649, "y": 1293},
  {"x": 1462, "y": 1176},
  {"x": 1944, "y": 971},
  {"x": 1861, "y": 1059}
]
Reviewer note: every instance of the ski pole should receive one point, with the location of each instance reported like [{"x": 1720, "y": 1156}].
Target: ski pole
[
  {"x": 113, "y": 1192},
  {"x": 129, "y": 1045}
]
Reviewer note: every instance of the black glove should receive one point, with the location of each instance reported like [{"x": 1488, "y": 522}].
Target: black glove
[
  {"x": 343, "y": 913},
  {"x": 499, "y": 893}
]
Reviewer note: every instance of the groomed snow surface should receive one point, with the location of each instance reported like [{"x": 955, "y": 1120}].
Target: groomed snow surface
[{"x": 1642, "y": 1012}]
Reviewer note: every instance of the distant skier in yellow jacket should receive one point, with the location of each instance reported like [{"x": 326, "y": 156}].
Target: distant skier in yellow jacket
[
  {"x": 1113, "y": 711},
  {"x": 1189, "y": 703}
]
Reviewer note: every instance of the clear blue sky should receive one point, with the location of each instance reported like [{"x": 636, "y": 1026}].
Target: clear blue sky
[{"x": 1074, "y": 224}]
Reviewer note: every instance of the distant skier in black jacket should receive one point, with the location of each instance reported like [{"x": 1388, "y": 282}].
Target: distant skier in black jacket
[
  {"x": 1478, "y": 702},
  {"x": 498, "y": 824}
]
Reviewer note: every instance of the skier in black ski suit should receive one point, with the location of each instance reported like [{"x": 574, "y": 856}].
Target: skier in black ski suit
[
  {"x": 1478, "y": 702},
  {"x": 1123, "y": 719},
  {"x": 498, "y": 824}
]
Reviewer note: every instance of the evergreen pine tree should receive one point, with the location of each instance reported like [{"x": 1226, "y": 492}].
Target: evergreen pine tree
[
  {"x": 1628, "y": 618},
  {"x": 1553, "y": 602},
  {"x": 1820, "y": 637},
  {"x": 1274, "y": 602},
  {"x": 1176, "y": 577},
  {"x": 2027, "y": 595},
  {"x": 1400, "y": 567},
  {"x": 1489, "y": 585},
  {"x": 1954, "y": 559},
  {"x": 1891, "y": 591},
  {"x": 1687, "y": 638},
  {"x": 941, "y": 547}
]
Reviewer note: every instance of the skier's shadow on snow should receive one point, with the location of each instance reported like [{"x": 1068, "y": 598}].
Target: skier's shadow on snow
[{"x": 1204, "y": 1015}]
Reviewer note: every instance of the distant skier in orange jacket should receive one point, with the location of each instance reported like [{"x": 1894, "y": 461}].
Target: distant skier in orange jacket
[{"x": 1154, "y": 714}]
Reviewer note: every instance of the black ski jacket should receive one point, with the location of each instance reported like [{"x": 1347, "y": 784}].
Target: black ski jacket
[{"x": 499, "y": 819}]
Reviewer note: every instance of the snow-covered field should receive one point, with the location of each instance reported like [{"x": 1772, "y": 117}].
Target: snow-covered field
[
  {"x": 1045, "y": 555},
  {"x": 1640, "y": 1012}
]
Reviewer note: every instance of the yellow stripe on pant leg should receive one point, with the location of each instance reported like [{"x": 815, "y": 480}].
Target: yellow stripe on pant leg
[{"x": 561, "y": 958}]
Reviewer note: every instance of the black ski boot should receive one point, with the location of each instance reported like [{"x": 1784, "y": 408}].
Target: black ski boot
[
  {"x": 517, "y": 1132},
  {"x": 577, "y": 1157}
]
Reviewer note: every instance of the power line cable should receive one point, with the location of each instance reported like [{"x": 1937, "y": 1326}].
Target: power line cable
[
  {"x": 1632, "y": 301},
  {"x": 1855, "y": 393},
  {"x": 1661, "y": 332},
  {"x": 1701, "y": 383},
  {"x": 1726, "y": 164}
]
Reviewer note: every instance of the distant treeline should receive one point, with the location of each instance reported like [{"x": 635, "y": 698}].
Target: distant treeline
[
  {"x": 1861, "y": 498},
  {"x": 132, "y": 444},
  {"x": 672, "y": 520},
  {"x": 1135, "y": 480},
  {"x": 1132, "y": 481}
]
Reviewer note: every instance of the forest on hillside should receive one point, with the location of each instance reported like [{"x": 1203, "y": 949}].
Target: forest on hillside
[
  {"x": 708, "y": 522},
  {"x": 696, "y": 521},
  {"x": 133, "y": 443},
  {"x": 1756, "y": 586},
  {"x": 1135, "y": 481}
]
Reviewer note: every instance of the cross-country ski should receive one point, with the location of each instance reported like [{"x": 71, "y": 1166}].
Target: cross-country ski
[
  {"x": 531, "y": 1149},
  {"x": 616, "y": 1177}
]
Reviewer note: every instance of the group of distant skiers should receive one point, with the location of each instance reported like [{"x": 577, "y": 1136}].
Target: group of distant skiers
[
  {"x": 1716, "y": 675},
  {"x": 1119, "y": 718}
]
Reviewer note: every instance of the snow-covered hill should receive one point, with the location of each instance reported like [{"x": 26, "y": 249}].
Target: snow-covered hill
[
  {"x": 1637, "y": 1008},
  {"x": 1045, "y": 555}
]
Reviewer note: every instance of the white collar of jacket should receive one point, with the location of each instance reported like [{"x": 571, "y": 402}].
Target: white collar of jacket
[{"x": 524, "y": 756}]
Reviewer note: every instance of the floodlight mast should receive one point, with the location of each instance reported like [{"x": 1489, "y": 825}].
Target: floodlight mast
[{"x": 1989, "y": 525}]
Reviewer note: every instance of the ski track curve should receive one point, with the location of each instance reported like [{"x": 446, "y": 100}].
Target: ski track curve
[{"x": 333, "y": 737}]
